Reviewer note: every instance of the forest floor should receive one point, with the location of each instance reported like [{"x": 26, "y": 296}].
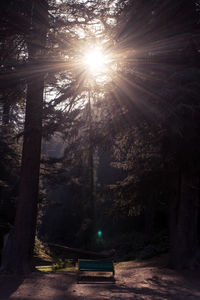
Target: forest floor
[{"x": 149, "y": 279}]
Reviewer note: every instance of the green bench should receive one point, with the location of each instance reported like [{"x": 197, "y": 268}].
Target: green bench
[{"x": 86, "y": 265}]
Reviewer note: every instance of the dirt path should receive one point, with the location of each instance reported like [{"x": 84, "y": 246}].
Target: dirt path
[{"x": 133, "y": 281}]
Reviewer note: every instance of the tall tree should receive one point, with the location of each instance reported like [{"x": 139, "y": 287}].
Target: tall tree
[
  {"x": 32, "y": 24},
  {"x": 159, "y": 47},
  {"x": 18, "y": 251}
]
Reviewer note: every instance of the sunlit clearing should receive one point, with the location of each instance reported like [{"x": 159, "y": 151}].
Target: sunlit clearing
[{"x": 95, "y": 61}]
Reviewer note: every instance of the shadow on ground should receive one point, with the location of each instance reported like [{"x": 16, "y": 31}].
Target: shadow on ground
[
  {"x": 9, "y": 284},
  {"x": 144, "y": 283}
]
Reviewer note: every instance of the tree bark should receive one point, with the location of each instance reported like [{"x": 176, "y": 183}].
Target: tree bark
[
  {"x": 183, "y": 222},
  {"x": 18, "y": 251},
  {"x": 5, "y": 116},
  {"x": 91, "y": 172},
  {"x": 21, "y": 240},
  {"x": 150, "y": 214},
  {"x": 6, "y": 113}
]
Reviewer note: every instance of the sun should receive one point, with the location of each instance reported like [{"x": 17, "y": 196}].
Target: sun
[{"x": 95, "y": 61}]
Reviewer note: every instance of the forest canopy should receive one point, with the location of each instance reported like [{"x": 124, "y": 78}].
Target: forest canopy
[{"x": 99, "y": 125}]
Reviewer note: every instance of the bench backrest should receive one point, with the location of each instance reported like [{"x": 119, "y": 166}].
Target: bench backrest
[{"x": 96, "y": 265}]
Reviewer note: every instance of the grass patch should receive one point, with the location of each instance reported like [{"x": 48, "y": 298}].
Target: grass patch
[
  {"x": 63, "y": 265},
  {"x": 44, "y": 268},
  {"x": 60, "y": 265}
]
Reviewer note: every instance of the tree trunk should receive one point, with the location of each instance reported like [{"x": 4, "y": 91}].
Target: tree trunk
[
  {"x": 183, "y": 222},
  {"x": 91, "y": 171},
  {"x": 6, "y": 113},
  {"x": 5, "y": 116},
  {"x": 150, "y": 214},
  {"x": 18, "y": 251},
  {"x": 21, "y": 240}
]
